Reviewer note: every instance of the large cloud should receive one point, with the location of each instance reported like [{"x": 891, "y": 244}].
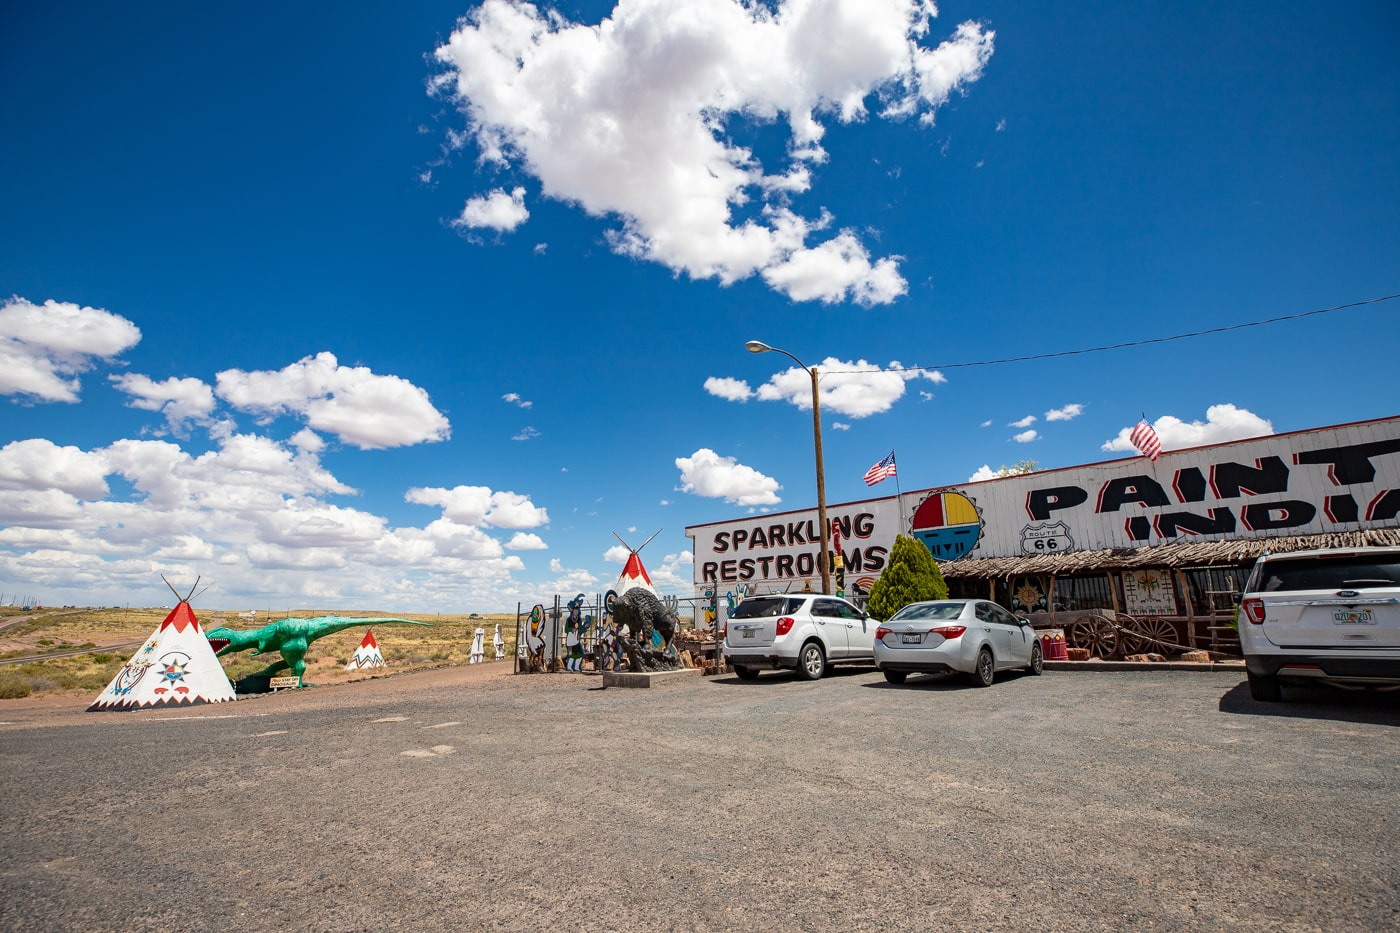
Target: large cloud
[
  {"x": 180, "y": 400},
  {"x": 252, "y": 512},
  {"x": 37, "y": 464},
  {"x": 254, "y": 515},
  {"x": 364, "y": 409},
  {"x": 629, "y": 119},
  {"x": 479, "y": 505},
  {"x": 855, "y": 388},
  {"x": 44, "y": 347},
  {"x": 706, "y": 473},
  {"x": 1223, "y": 423}
]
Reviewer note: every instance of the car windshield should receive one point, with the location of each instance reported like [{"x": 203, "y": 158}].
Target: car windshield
[
  {"x": 929, "y": 611},
  {"x": 766, "y": 607},
  {"x": 1344, "y": 572}
]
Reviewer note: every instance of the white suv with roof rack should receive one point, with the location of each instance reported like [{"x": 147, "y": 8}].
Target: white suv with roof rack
[
  {"x": 1330, "y": 616},
  {"x": 807, "y": 632}
]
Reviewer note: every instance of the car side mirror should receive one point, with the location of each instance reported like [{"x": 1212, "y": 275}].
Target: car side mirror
[{"x": 1024, "y": 621}]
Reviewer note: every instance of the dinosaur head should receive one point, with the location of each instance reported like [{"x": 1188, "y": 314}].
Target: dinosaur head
[{"x": 220, "y": 639}]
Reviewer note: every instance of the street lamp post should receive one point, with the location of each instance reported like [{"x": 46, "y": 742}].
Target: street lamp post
[{"x": 758, "y": 346}]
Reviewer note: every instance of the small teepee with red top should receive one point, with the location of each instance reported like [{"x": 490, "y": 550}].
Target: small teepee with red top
[
  {"x": 633, "y": 573},
  {"x": 367, "y": 655},
  {"x": 175, "y": 667}
]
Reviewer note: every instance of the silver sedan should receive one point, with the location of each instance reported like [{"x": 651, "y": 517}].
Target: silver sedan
[{"x": 975, "y": 637}]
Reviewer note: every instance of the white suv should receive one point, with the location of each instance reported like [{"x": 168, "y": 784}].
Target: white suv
[
  {"x": 807, "y": 632},
  {"x": 1326, "y": 615}
]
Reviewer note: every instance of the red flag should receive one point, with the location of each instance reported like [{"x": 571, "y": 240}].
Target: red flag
[
  {"x": 880, "y": 471},
  {"x": 1145, "y": 439}
]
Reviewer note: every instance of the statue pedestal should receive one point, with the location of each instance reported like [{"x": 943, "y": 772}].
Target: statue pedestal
[{"x": 646, "y": 680}]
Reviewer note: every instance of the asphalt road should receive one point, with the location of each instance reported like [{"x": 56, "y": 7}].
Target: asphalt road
[{"x": 457, "y": 800}]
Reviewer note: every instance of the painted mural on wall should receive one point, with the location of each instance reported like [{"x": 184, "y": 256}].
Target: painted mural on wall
[
  {"x": 1029, "y": 594},
  {"x": 1149, "y": 592},
  {"x": 1307, "y": 482}
]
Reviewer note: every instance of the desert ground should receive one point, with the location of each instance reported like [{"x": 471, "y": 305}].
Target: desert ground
[{"x": 71, "y": 652}]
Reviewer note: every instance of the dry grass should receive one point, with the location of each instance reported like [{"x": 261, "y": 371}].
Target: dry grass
[{"x": 447, "y": 640}]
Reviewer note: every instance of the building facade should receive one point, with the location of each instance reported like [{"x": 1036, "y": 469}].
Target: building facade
[{"x": 1165, "y": 543}]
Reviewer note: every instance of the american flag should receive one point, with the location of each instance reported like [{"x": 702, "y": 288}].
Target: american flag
[
  {"x": 880, "y": 471},
  {"x": 1145, "y": 439}
]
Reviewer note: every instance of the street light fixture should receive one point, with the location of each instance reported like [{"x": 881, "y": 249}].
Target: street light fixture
[{"x": 758, "y": 346}]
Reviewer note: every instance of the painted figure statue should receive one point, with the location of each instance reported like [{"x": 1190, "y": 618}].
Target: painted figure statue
[{"x": 573, "y": 635}]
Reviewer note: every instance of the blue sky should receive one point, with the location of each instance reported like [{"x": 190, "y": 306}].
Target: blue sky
[{"x": 411, "y": 307}]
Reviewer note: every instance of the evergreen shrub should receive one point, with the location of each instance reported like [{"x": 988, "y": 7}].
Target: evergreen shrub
[{"x": 912, "y": 576}]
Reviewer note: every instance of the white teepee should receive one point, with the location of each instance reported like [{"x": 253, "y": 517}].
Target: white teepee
[
  {"x": 633, "y": 573},
  {"x": 175, "y": 667},
  {"x": 367, "y": 655}
]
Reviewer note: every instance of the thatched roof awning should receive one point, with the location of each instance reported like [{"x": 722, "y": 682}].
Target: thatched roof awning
[{"x": 1180, "y": 554}]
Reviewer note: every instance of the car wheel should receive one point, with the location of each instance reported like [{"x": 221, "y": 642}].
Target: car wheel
[
  {"x": 1264, "y": 687},
  {"x": 811, "y": 663},
  {"x": 1037, "y": 661},
  {"x": 896, "y": 677},
  {"x": 985, "y": 672},
  {"x": 745, "y": 673}
]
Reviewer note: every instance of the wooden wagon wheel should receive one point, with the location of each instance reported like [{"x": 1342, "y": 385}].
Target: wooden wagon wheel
[
  {"x": 1096, "y": 634},
  {"x": 1152, "y": 633}
]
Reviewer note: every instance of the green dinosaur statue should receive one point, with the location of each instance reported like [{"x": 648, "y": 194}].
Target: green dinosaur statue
[{"x": 289, "y": 637}]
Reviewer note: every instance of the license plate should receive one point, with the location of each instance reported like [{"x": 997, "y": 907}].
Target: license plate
[
  {"x": 1352, "y": 617},
  {"x": 750, "y": 633},
  {"x": 911, "y": 638}
]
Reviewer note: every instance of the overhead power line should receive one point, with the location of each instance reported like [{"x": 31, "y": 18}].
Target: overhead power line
[{"x": 1131, "y": 343}]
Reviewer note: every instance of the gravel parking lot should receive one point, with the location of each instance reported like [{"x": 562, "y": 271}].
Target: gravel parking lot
[{"x": 470, "y": 798}]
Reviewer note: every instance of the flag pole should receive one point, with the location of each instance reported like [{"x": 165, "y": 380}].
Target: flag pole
[{"x": 899, "y": 493}]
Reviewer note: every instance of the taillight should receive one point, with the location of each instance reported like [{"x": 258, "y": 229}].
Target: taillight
[
  {"x": 949, "y": 631},
  {"x": 784, "y": 625},
  {"x": 1253, "y": 610},
  {"x": 881, "y": 632}
]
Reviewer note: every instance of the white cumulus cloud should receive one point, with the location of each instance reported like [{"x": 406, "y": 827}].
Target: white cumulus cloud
[
  {"x": 706, "y": 473},
  {"x": 735, "y": 390},
  {"x": 524, "y": 541},
  {"x": 480, "y": 505},
  {"x": 497, "y": 211},
  {"x": 857, "y": 388},
  {"x": 1223, "y": 423},
  {"x": 630, "y": 119},
  {"x": 44, "y": 347},
  {"x": 1068, "y": 413},
  {"x": 38, "y": 464},
  {"x": 360, "y": 407},
  {"x": 180, "y": 400},
  {"x": 1025, "y": 437}
]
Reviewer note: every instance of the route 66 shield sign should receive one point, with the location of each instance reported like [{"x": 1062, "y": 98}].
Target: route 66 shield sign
[{"x": 1051, "y": 538}]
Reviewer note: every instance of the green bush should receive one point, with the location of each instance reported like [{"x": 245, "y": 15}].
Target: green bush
[
  {"x": 13, "y": 688},
  {"x": 911, "y": 576}
]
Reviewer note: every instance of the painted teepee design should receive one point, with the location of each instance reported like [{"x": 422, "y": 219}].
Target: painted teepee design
[
  {"x": 367, "y": 655},
  {"x": 175, "y": 667}
]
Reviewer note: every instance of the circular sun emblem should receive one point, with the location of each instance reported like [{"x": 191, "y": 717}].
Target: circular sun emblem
[
  {"x": 948, "y": 524},
  {"x": 174, "y": 666}
]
